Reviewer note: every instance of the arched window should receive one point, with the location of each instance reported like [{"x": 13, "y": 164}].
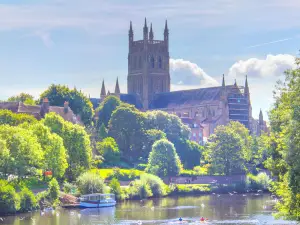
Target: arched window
[
  {"x": 140, "y": 62},
  {"x": 134, "y": 62},
  {"x": 152, "y": 61},
  {"x": 159, "y": 62}
]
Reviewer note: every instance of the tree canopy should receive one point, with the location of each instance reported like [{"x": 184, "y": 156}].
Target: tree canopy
[
  {"x": 23, "y": 97},
  {"x": 78, "y": 102},
  {"x": 163, "y": 159}
]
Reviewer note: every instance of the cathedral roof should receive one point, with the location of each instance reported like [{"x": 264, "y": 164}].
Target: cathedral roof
[{"x": 163, "y": 100}]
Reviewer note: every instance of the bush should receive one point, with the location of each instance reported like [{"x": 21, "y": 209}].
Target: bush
[
  {"x": 186, "y": 189},
  {"x": 53, "y": 192},
  {"x": 89, "y": 183},
  {"x": 115, "y": 188},
  {"x": 161, "y": 165},
  {"x": 109, "y": 149},
  {"x": 139, "y": 190},
  {"x": 10, "y": 201},
  {"x": 157, "y": 186},
  {"x": 27, "y": 200},
  {"x": 70, "y": 188},
  {"x": 262, "y": 181},
  {"x": 141, "y": 166},
  {"x": 120, "y": 174}
]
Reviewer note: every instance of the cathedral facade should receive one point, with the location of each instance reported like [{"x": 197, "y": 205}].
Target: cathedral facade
[{"x": 148, "y": 88}]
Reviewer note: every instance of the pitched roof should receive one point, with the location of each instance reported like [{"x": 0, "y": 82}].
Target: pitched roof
[{"x": 19, "y": 107}]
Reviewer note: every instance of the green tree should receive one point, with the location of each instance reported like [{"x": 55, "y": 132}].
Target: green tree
[
  {"x": 89, "y": 183},
  {"x": 106, "y": 108},
  {"x": 10, "y": 201},
  {"x": 108, "y": 148},
  {"x": 23, "y": 97},
  {"x": 53, "y": 192},
  {"x": 115, "y": 188},
  {"x": 53, "y": 147},
  {"x": 163, "y": 159},
  {"x": 78, "y": 102},
  {"x": 76, "y": 141},
  {"x": 14, "y": 119},
  {"x": 103, "y": 133},
  {"x": 4, "y": 158},
  {"x": 26, "y": 154},
  {"x": 225, "y": 151},
  {"x": 284, "y": 144},
  {"x": 189, "y": 153},
  {"x": 27, "y": 200}
]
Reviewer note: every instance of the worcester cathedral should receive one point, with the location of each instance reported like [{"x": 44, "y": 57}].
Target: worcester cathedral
[{"x": 148, "y": 88}]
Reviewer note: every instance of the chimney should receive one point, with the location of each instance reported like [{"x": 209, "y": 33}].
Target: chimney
[
  {"x": 66, "y": 107},
  {"x": 44, "y": 107}
]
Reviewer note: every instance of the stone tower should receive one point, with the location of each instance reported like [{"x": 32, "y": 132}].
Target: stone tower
[{"x": 148, "y": 65}]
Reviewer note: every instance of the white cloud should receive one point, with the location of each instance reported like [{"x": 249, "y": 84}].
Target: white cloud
[
  {"x": 271, "y": 66},
  {"x": 195, "y": 75}
]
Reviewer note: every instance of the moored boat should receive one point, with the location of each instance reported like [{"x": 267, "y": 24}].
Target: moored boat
[{"x": 97, "y": 200}]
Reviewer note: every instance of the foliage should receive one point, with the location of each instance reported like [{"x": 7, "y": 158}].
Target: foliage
[
  {"x": 115, "y": 188},
  {"x": 189, "y": 153},
  {"x": 163, "y": 159},
  {"x": 53, "y": 191},
  {"x": 187, "y": 189},
  {"x": 27, "y": 200},
  {"x": 102, "y": 132},
  {"x": 139, "y": 190},
  {"x": 120, "y": 174},
  {"x": 201, "y": 170},
  {"x": 53, "y": 147},
  {"x": 197, "y": 171},
  {"x": 157, "y": 186},
  {"x": 284, "y": 143},
  {"x": 76, "y": 141},
  {"x": 108, "y": 148},
  {"x": 78, "y": 102},
  {"x": 106, "y": 109},
  {"x": 260, "y": 182},
  {"x": 141, "y": 166},
  {"x": 89, "y": 183},
  {"x": 10, "y": 202},
  {"x": 14, "y": 119},
  {"x": 70, "y": 188},
  {"x": 227, "y": 150},
  {"x": 25, "y": 152},
  {"x": 23, "y": 97}
]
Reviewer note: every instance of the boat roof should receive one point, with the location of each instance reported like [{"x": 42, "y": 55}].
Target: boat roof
[{"x": 96, "y": 194}]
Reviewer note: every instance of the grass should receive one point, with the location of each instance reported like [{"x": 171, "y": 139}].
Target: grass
[{"x": 120, "y": 174}]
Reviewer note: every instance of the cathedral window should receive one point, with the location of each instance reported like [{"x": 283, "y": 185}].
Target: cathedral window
[
  {"x": 152, "y": 61},
  {"x": 159, "y": 62}
]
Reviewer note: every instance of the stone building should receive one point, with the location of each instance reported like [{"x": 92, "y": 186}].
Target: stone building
[
  {"x": 39, "y": 111},
  {"x": 148, "y": 88}
]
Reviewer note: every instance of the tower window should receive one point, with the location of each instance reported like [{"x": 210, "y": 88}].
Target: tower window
[
  {"x": 134, "y": 63},
  {"x": 159, "y": 62},
  {"x": 152, "y": 61}
]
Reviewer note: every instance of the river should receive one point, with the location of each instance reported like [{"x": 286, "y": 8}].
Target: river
[{"x": 219, "y": 209}]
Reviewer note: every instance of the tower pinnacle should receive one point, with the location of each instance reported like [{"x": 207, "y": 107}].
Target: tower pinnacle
[
  {"x": 223, "y": 82},
  {"x": 151, "y": 35},
  {"x": 145, "y": 29},
  {"x": 261, "y": 118},
  {"x": 117, "y": 88},
  {"x": 246, "y": 89},
  {"x": 103, "y": 92}
]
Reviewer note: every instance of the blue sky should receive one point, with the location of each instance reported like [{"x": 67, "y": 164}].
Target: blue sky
[{"x": 79, "y": 43}]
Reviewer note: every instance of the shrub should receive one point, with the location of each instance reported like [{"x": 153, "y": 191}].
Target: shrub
[
  {"x": 109, "y": 149},
  {"x": 186, "y": 189},
  {"x": 70, "y": 188},
  {"x": 120, "y": 174},
  {"x": 89, "y": 183},
  {"x": 139, "y": 190},
  {"x": 163, "y": 159},
  {"x": 261, "y": 181},
  {"x": 201, "y": 170},
  {"x": 53, "y": 192},
  {"x": 27, "y": 200},
  {"x": 157, "y": 186},
  {"x": 115, "y": 188},
  {"x": 10, "y": 201},
  {"x": 141, "y": 166}
]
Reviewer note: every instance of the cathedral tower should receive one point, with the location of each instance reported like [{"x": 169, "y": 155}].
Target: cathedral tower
[{"x": 148, "y": 65}]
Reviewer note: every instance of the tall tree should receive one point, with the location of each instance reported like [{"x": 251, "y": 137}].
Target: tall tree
[
  {"x": 76, "y": 141},
  {"x": 78, "y": 102},
  {"x": 23, "y": 97},
  {"x": 108, "y": 148},
  {"x": 163, "y": 159},
  {"x": 106, "y": 108},
  {"x": 225, "y": 151}
]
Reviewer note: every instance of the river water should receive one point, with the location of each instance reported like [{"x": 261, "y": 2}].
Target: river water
[{"x": 219, "y": 209}]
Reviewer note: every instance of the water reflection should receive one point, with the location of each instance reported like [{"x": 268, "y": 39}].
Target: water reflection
[{"x": 222, "y": 209}]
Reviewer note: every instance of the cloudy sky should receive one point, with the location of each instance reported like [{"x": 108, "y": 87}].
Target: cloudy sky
[{"x": 81, "y": 42}]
